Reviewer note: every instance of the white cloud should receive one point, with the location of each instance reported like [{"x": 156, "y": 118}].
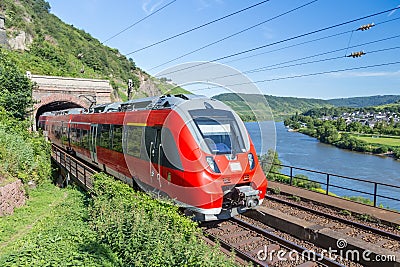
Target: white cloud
[
  {"x": 203, "y": 4},
  {"x": 368, "y": 74},
  {"x": 148, "y": 6}
]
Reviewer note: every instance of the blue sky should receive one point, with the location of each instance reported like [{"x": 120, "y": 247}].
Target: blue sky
[{"x": 102, "y": 19}]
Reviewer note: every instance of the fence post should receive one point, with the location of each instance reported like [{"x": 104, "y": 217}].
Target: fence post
[
  {"x": 84, "y": 175},
  {"x": 375, "y": 193},
  {"x": 291, "y": 175},
  {"x": 327, "y": 183}
]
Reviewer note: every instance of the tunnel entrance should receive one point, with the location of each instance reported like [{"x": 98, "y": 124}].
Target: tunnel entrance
[{"x": 54, "y": 106}]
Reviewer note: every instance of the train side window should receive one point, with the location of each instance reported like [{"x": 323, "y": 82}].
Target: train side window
[
  {"x": 134, "y": 140},
  {"x": 105, "y": 136},
  {"x": 58, "y": 131},
  {"x": 72, "y": 134},
  {"x": 78, "y": 136},
  {"x": 117, "y": 138},
  {"x": 85, "y": 139}
]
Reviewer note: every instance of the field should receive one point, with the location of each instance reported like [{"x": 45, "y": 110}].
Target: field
[{"x": 388, "y": 141}]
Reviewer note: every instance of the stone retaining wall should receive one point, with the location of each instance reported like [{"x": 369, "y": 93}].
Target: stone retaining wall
[{"x": 11, "y": 196}]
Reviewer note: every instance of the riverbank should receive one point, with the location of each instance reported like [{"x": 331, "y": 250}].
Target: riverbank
[
  {"x": 303, "y": 151},
  {"x": 352, "y": 142}
]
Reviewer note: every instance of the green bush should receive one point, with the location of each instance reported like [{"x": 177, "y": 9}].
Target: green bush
[
  {"x": 145, "y": 232},
  {"x": 23, "y": 155},
  {"x": 301, "y": 180},
  {"x": 15, "y": 88},
  {"x": 52, "y": 230}
]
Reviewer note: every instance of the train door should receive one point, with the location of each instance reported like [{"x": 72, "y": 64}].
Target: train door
[
  {"x": 93, "y": 142},
  {"x": 156, "y": 155}
]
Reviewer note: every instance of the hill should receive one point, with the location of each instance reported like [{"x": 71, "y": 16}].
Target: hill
[
  {"x": 282, "y": 107},
  {"x": 364, "y": 101},
  {"x": 248, "y": 104},
  {"x": 42, "y": 44}
]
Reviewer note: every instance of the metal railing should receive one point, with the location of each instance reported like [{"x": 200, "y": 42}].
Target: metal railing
[
  {"x": 383, "y": 191},
  {"x": 82, "y": 174},
  {"x": 79, "y": 171}
]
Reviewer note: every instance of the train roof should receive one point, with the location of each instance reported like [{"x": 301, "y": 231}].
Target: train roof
[{"x": 148, "y": 103}]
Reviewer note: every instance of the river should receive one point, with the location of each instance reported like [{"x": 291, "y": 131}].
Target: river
[{"x": 299, "y": 150}]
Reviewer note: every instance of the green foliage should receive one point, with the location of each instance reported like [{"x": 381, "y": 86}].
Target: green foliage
[
  {"x": 295, "y": 198},
  {"x": 360, "y": 199},
  {"x": 322, "y": 191},
  {"x": 275, "y": 190},
  {"x": 327, "y": 133},
  {"x": 145, "y": 232},
  {"x": 52, "y": 230},
  {"x": 270, "y": 164},
  {"x": 367, "y": 218},
  {"x": 301, "y": 180},
  {"x": 364, "y": 101},
  {"x": 345, "y": 212},
  {"x": 15, "y": 88},
  {"x": 23, "y": 155},
  {"x": 60, "y": 49}
]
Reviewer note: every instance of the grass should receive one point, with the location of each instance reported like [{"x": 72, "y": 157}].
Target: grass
[
  {"x": 117, "y": 227},
  {"x": 379, "y": 140},
  {"x": 52, "y": 229}
]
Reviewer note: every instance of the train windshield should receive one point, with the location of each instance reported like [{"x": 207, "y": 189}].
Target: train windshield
[{"x": 219, "y": 130}]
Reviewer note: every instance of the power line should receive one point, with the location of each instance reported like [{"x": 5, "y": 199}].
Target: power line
[
  {"x": 332, "y": 58},
  {"x": 234, "y": 34},
  {"x": 270, "y": 67},
  {"x": 285, "y": 40},
  {"x": 304, "y": 75},
  {"x": 289, "y": 46},
  {"x": 310, "y": 41},
  {"x": 198, "y": 27},
  {"x": 137, "y": 22},
  {"x": 306, "y": 42}
]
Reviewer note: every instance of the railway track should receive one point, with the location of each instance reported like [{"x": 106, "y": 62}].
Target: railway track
[
  {"x": 261, "y": 246},
  {"x": 373, "y": 232}
]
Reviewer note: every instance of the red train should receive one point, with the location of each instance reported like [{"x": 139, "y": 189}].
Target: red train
[{"x": 191, "y": 149}]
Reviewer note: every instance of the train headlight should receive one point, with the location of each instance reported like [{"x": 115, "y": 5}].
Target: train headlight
[
  {"x": 252, "y": 162},
  {"x": 212, "y": 164}
]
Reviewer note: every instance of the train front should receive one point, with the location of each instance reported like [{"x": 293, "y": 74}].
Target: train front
[{"x": 222, "y": 175}]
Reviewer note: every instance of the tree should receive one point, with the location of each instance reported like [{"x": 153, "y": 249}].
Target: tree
[
  {"x": 15, "y": 88},
  {"x": 327, "y": 133},
  {"x": 355, "y": 127},
  {"x": 341, "y": 124}
]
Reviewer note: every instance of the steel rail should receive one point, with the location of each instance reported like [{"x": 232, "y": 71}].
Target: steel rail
[
  {"x": 332, "y": 217},
  {"x": 286, "y": 243}
]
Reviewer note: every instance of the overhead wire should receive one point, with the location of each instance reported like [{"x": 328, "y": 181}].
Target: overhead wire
[
  {"x": 270, "y": 67},
  {"x": 137, "y": 22},
  {"x": 310, "y": 41},
  {"x": 331, "y": 58},
  {"x": 303, "y": 75},
  {"x": 234, "y": 34},
  {"x": 284, "y": 40},
  {"x": 302, "y": 43},
  {"x": 198, "y": 27}
]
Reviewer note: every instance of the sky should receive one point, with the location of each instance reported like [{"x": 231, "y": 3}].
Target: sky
[{"x": 296, "y": 48}]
